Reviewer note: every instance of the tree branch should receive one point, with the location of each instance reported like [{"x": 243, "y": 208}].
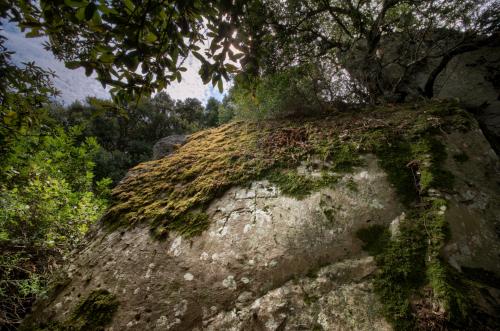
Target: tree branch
[{"x": 493, "y": 40}]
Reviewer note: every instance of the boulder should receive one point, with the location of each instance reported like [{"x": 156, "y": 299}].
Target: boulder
[
  {"x": 471, "y": 77},
  {"x": 167, "y": 145},
  {"x": 380, "y": 220}
]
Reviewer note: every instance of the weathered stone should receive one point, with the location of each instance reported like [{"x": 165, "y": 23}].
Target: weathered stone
[
  {"x": 258, "y": 241},
  {"x": 272, "y": 262},
  {"x": 166, "y": 146},
  {"x": 472, "y": 77}
]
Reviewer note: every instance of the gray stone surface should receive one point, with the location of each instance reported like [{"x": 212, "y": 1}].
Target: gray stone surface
[
  {"x": 167, "y": 145},
  {"x": 473, "y": 77},
  {"x": 254, "y": 260},
  {"x": 271, "y": 262},
  {"x": 474, "y": 205}
]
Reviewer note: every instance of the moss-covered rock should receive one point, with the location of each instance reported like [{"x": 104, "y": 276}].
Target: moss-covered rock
[
  {"x": 93, "y": 313},
  {"x": 163, "y": 191},
  {"x": 348, "y": 222}
]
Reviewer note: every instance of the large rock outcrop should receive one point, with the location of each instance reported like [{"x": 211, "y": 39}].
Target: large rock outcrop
[
  {"x": 338, "y": 223},
  {"x": 471, "y": 76}
]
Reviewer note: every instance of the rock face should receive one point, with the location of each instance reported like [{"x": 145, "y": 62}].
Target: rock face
[
  {"x": 472, "y": 77},
  {"x": 248, "y": 271},
  {"x": 268, "y": 261},
  {"x": 167, "y": 145}
]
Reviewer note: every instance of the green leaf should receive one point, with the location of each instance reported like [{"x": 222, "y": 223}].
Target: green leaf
[
  {"x": 90, "y": 10},
  {"x": 199, "y": 57},
  {"x": 80, "y": 13},
  {"x": 106, "y": 10},
  {"x": 129, "y": 5},
  {"x": 231, "y": 68},
  {"x": 33, "y": 33},
  {"x": 220, "y": 86},
  {"x": 73, "y": 64},
  {"x": 88, "y": 71},
  {"x": 96, "y": 18},
  {"x": 131, "y": 61},
  {"x": 107, "y": 58},
  {"x": 76, "y": 4},
  {"x": 150, "y": 37}
]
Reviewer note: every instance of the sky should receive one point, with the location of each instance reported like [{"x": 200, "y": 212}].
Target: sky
[{"x": 74, "y": 85}]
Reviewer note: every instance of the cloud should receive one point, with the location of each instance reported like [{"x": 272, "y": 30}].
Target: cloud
[
  {"x": 191, "y": 85},
  {"x": 75, "y": 85}
]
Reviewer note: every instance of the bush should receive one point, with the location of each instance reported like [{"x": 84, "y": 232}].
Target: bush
[
  {"x": 47, "y": 202},
  {"x": 291, "y": 91}
]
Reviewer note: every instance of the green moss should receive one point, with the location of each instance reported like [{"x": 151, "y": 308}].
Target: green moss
[
  {"x": 449, "y": 291},
  {"x": 298, "y": 186},
  {"x": 163, "y": 192},
  {"x": 344, "y": 156},
  {"x": 291, "y": 183},
  {"x": 411, "y": 261},
  {"x": 317, "y": 327},
  {"x": 375, "y": 238},
  {"x": 351, "y": 185},
  {"x": 414, "y": 165},
  {"x": 188, "y": 225},
  {"x": 310, "y": 299},
  {"x": 90, "y": 314},
  {"x": 461, "y": 157},
  {"x": 402, "y": 272},
  {"x": 95, "y": 312},
  {"x": 330, "y": 215},
  {"x": 432, "y": 154},
  {"x": 393, "y": 159}
]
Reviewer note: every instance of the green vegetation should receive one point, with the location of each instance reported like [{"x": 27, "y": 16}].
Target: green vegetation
[
  {"x": 212, "y": 161},
  {"x": 55, "y": 181},
  {"x": 91, "y": 314},
  {"x": 128, "y": 133},
  {"x": 188, "y": 225},
  {"x": 411, "y": 261},
  {"x": 95, "y": 312},
  {"x": 288, "y": 92},
  {"x": 57, "y": 164},
  {"x": 375, "y": 238},
  {"x": 299, "y": 186},
  {"x": 48, "y": 200},
  {"x": 137, "y": 56},
  {"x": 422, "y": 157},
  {"x": 287, "y": 58},
  {"x": 134, "y": 55}
]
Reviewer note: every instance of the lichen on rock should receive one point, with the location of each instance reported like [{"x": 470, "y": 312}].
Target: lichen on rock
[
  {"x": 355, "y": 221},
  {"x": 165, "y": 192}
]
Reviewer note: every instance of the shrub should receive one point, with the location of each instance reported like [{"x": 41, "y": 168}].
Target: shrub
[
  {"x": 291, "y": 91},
  {"x": 47, "y": 202}
]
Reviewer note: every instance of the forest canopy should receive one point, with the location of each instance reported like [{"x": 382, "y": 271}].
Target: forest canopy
[{"x": 139, "y": 47}]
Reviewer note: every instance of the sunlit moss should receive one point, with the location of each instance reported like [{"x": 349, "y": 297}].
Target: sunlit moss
[{"x": 163, "y": 192}]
